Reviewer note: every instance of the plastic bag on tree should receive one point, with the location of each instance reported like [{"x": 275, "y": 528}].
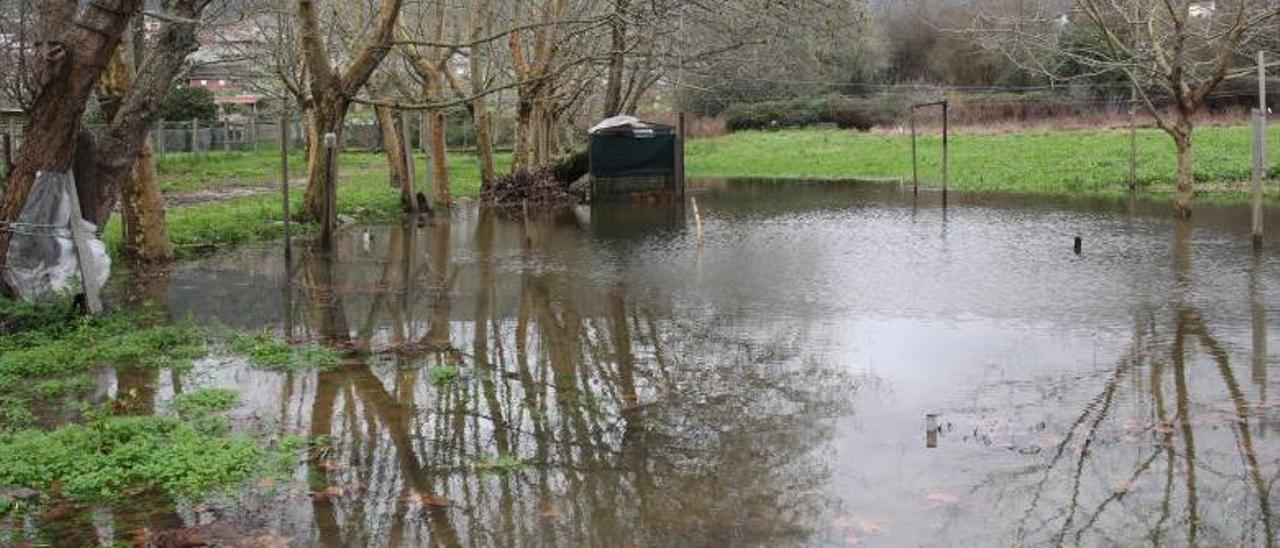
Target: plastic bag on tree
[{"x": 42, "y": 260}]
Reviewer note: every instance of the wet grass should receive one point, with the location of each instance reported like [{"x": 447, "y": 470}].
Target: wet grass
[
  {"x": 1053, "y": 162},
  {"x": 57, "y": 439}
]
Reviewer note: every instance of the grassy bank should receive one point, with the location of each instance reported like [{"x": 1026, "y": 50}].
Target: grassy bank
[
  {"x": 1057, "y": 162},
  {"x": 364, "y": 192}
]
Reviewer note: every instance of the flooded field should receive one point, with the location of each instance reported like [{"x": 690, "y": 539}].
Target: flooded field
[{"x": 830, "y": 364}]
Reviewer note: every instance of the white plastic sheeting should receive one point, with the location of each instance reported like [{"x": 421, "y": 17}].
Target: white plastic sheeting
[
  {"x": 618, "y": 121},
  {"x": 42, "y": 260}
]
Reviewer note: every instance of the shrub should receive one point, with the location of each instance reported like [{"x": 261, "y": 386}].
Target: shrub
[{"x": 845, "y": 112}]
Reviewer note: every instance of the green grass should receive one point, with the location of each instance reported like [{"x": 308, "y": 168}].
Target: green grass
[
  {"x": 268, "y": 352},
  {"x": 1057, "y": 162},
  {"x": 363, "y": 193}
]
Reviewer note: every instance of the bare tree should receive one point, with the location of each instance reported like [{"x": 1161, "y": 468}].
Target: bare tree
[
  {"x": 332, "y": 86},
  {"x": 1173, "y": 53},
  {"x": 70, "y": 62}
]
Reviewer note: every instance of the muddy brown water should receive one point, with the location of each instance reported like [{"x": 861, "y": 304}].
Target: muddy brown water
[{"x": 833, "y": 364}]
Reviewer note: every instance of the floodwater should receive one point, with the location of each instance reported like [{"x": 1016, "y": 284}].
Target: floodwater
[{"x": 830, "y": 364}]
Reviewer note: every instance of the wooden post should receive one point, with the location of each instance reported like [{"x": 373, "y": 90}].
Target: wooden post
[
  {"x": 1133, "y": 143},
  {"x": 330, "y": 191},
  {"x": 284, "y": 179},
  {"x": 679, "y": 154},
  {"x": 407, "y": 145},
  {"x": 945, "y": 172},
  {"x": 1259, "y": 171},
  {"x": 226, "y": 136},
  {"x": 195, "y": 134},
  {"x": 88, "y": 274},
  {"x": 915, "y": 171}
]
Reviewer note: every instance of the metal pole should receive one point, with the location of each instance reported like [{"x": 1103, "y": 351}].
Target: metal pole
[
  {"x": 284, "y": 178},
  {"x": 88, "y": 275},
  {"x": 330, "y": 203},
  {"x": 945, "y": 167},
  {"x": 1259, "y": 166},
  {"x": 679, "y": 154},
  {"x": 1262, "y": 82},
  {"x": 195, "y": 130},
  {"x": 915, "y": 171},
  {"x": 226, "y": 136}
]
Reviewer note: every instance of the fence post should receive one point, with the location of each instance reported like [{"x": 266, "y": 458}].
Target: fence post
[
  {"x": 161, "y": 140},
  {"x": 1262, "y": 82},
  {"x": 8, "y": 154},
  {"x": 1133, "y": 147},
  {"x": 1259, "y": 169},
  {"x": 226, "y": 136},
  {"x": 195, "y": 136},
  {"x": 330, "y": 190},
  {"x": 284, "y": 177}
]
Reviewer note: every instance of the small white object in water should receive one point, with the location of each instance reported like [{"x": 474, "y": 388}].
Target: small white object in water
[{"x": 366, "y": 241}]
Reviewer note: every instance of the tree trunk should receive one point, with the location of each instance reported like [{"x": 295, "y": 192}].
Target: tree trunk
[
  {"x": 325, "y": 118},
  {"x": 394, "y": 147},
  {"x": 523, "y": 139},
  {"x": 146, "y": 237},
  {"x": 613, "y": 86},
  {"x": 484, "y": 143},
  {"x": 1182, "y": 139},
  {"x": 439, "y": 159},
  {"x": 70, "y": 68}
]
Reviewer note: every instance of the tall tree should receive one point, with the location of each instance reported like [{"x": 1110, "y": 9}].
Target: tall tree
[
  {"x": 1173, "y": 53},
  {"x": 67, "y": 70},
  {"x": 332, "y": 87}
]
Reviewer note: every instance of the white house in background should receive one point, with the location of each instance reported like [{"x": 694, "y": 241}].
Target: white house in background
[{"x": 1203, "y": 9}]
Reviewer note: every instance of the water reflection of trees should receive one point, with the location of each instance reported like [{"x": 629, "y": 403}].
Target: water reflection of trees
[
  {"x": 1164, "y": 448},
  {"x": 584, "y": 414}
]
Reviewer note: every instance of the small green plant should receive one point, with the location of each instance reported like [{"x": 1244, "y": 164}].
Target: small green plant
[
  {"x": 268, "y": 351},
  {"x": 443, "y": 374},
  {"x": 204, "y": 401},
  {"x": 501, "y": 464}
]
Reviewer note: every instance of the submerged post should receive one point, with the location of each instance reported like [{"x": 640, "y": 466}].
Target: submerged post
[
  {"x": 679, "y": 167},
  {"x": 1259, "y": 168},
  {"x": 284, "y": 178},
  {"x": 330, "y": 189}
]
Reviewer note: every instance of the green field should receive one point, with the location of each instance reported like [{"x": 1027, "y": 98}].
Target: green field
[
  {"x": 1055, "y": 162},
  {"x": 364, "y": 193},
  {"x": 1086, "y": 162}
]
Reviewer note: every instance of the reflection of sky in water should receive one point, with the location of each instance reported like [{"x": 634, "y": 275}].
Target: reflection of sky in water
[{"x": 771, "y": 384}]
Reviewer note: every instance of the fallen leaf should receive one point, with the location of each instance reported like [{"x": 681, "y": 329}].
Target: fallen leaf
[{"x": 939, "y": 498}]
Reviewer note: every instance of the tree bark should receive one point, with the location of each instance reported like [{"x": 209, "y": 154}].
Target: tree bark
[
  {"x": 394, "y": 147},
  {"x": 146, "y": 236},
  {"x": 70, "y": 68},
  {"x": 1182, "y": 139},
  {"x": 613, "y": 86},
  {"x": 332, "y": 88},
  {"x": 439, "y": 159}
]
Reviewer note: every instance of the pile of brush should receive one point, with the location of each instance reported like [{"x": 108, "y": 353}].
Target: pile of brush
[{"x": 538, "y": 187}]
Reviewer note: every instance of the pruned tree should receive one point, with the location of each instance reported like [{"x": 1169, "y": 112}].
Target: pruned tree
[
  {"x": 332, "y": 86},
  {"x": 72, "y": 55},
  {"x": 1174, "y": 54}
]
